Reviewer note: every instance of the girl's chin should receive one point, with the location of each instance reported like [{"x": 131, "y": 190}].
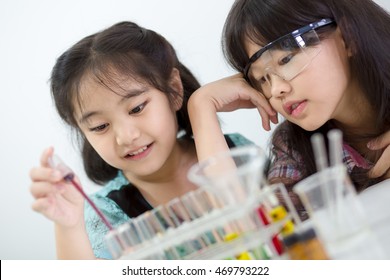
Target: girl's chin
[{"x": 309, "y": 126}]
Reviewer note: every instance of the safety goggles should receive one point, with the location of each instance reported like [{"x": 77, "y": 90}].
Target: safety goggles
[{"x": 286, "y": 57}]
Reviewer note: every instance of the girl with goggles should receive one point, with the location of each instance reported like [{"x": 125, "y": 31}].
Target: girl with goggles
[{"x": 321, "y": 64}]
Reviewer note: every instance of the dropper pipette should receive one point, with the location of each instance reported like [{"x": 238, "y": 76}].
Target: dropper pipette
[{"x": 68, "y": 175}]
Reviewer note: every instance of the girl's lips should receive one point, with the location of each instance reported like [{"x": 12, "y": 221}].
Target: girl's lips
[
  {"x": 140, "y": 154},
  {"x": 295, "y": 108}
]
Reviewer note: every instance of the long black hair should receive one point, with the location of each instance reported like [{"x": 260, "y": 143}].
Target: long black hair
[
  {"x": 130, "y": 50},
  {"x": 365, "y": 27}
]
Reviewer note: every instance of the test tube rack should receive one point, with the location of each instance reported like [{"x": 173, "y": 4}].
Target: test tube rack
[{"x": 202, "y": 225}]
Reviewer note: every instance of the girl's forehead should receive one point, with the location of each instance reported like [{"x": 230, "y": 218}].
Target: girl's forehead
[
  {"x": 95, "y": 89},
  {"x": 113, "y": 82},
  {"x": 251, "y": 47},
  {"x": 88, "y": 89},
  {"x": 92, "y": 91}
]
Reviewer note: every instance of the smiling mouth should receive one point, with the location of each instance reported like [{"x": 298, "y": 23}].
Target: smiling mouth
[{"x": 139, "y": 152}]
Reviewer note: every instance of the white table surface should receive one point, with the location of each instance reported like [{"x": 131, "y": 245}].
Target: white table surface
[{"x": 376, "y": 201}]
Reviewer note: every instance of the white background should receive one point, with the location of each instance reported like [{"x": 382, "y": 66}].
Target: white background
[{"x": 33, "y": 35}]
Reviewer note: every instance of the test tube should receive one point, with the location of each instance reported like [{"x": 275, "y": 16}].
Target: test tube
[
  {"x": 196, "y": 211},
  {"x": 177, "y": 212},
  {"x": 124, "y": 234},
  {"x": 335, "y": 137},
  {"x": 140, "y": 230},
  {"x": 193, "y": 207},
  {"x": 114, "y": 245},
  {"x": 319, "y": 149},
  {"x": 162, "y": 222},
  {"x": 179, "y": 215},
  {"x": 163, "y": 218},
  {"x": 208, "y": 203}
]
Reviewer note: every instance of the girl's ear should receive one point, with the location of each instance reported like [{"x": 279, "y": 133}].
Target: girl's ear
[
  {"x": 177, "y": 86},
  {"x": 348, "y": 44}
]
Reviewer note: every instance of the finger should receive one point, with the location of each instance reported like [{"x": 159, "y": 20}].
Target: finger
[
  {"x": 40, "y": 189},
  {"x": 262, "y": 102},
  {"x": 380, "y": 142},
  {"x": 47, "y": 153},
  {"x": 387, "y": 175},
  {"x": 259, "y": 99},
  {"x": 267, "y": 113},
  {"x": 41, "y": 205},
  {"x": 43, "y": 189},
  {"x": 45, "y": 174},
  {"x": 274, "y": 119},
  {"x": 244, "y": 104},
  {"x": 264, "y": 119},
  {"x": 382, "y": 165}
]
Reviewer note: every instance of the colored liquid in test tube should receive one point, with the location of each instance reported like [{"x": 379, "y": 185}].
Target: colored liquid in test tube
[
  {"x": 56, "y": 163},
  {"x": 272, "y": 211}
]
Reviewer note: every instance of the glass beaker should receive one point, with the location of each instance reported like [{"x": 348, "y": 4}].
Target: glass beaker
[
  {"x": 338, "y": 216},
  {"x": 231, "y": 175}
]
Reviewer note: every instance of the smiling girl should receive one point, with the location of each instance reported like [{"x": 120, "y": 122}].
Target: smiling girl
[{"x": 124, "y": 92}]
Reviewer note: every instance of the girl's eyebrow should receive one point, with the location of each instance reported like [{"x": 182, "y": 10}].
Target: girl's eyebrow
[
  {"x": 128, "y": 94},
  {"x": 132, "y": 93},
  {"x": 84, "y": 118}
]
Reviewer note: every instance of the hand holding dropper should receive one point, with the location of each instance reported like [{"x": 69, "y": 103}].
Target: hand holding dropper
[{"x": 68, "y": 175}]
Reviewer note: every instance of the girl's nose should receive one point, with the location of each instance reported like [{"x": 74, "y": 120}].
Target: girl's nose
[
  {"x": 279, "y": 86},
  {"x": 126, "y": 133}
]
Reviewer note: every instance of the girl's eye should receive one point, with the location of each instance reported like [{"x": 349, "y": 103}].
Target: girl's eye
[
  {"x": 138, "y": 109},
  {"x": 99, "y": 128},
  {"x": 262, "y": 80},
  {"x": 286, "y": 59}
]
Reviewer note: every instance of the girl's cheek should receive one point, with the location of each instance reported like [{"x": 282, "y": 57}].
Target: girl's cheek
[{"x": 277, "y": 107}]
